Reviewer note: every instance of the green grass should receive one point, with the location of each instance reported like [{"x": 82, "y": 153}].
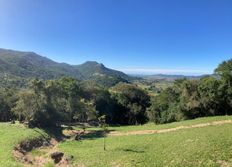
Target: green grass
[
  {"x": 207, "y": 146},
  {"x": 152, "y": 126},
  {"x": 10, "y": 136}
]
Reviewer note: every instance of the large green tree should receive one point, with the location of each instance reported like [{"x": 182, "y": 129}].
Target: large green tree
[
  {"x": 133, "y": 103},
  {"x": 7, "y": 101},
  {"x": 224, "y": 70}
]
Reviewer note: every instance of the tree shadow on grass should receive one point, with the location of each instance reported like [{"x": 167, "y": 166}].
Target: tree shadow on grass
[
  {"x": 134, "y": 151},
  {"x": 57, "y": 133},
  {"x": 53, "y": 132},
  {"x": 95, "y": 134}
]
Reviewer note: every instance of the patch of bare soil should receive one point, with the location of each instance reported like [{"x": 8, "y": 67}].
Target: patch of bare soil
[
  {"x": 143, "y": 132},
  {"x": 22, "y": 153}
]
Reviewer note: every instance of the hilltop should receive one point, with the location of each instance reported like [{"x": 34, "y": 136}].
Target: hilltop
[{"x": 16, "y": 67}]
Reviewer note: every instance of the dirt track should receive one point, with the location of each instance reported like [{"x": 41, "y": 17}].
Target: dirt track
[
  {"x": 143, "y": 132},
  {"x": 29, "y": 160}
]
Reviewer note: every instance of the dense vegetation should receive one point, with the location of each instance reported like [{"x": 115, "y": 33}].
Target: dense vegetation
[
  {"x": 44, "y": 102},
  {"x": 64, "y": 94},
  {"x": 188, "y": 99},
  {"x": 52, "y": 102},
  {"x": 16, "y": 68}
]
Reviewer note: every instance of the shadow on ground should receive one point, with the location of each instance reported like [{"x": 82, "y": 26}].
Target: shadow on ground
[
  {"x": 95, "y": 134},
  {"x": 57, "y": 133},
  {"x": 132, "y": 150},
  {"x": 53, "y": 132}
]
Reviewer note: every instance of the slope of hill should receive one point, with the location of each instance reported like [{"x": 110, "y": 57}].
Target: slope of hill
[
  {"x": 98, "y": 69},
  {"x": 200, "y": 142},
  {"x": 197, "y": 145},
  {"x": 92, "y": 70},
  {"x": 29, "y": 64},
  {"x": 16, "y": 66}
]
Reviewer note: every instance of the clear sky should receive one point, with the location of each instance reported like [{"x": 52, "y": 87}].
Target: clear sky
[{"x": 135, "y": 36}]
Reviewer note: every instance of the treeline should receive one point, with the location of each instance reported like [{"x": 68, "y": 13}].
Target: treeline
[
  {"x": 189, "y": 99},
  {"x": 67, "y": 100},
  {"x": 52, "y": 102}
]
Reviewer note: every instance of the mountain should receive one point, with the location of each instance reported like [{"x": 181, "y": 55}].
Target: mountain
[
  {"x": 29, "y": 64},
  {"x": 91, "y": 70},
  {"x": 17, "y": 66},
  {"x": 98, "y": 69}
]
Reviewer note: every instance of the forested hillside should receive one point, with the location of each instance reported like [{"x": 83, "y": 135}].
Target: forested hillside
[
  {"x": 17, "y": 67},
  {"x": 94, "y": 91},
  {"x": 189, "y": 99}
]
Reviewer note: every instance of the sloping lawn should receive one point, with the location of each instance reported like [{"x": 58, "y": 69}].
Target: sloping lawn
[
  {"x": 206, "y": 146},
  {"x": 10, "y": 136},
  {"x": 152, "y": 126}
]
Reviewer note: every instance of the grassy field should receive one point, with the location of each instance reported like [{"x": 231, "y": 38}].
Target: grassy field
[
  {"x": 153, "y": 87},
  {"x": 207, "y": 146},
  {"x": 10, "y": 136},
  {"x": 152, "y": 126}
]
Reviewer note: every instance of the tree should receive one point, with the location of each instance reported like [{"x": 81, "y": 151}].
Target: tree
[
  {"x": 165, "y": 107},
  {"x": 210, "y": 98},
  {"x": 100, "y": 98},
  {"x": 224, "y": 70},
  {"x": 70, "y": 90},
  {"x": 132, "y": 102},
  {"x": 189, "y": 100},
  {"x": 35, "y": 105},
  {"x": 7, "y": 101},
  {"x": 104, "y": 126},
  {"x": 29, "y": 107}
]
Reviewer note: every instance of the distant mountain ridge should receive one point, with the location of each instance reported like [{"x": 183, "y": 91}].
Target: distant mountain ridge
[
  {"x": 25, "y": 65},
  {"x": 168, "y": 77}
]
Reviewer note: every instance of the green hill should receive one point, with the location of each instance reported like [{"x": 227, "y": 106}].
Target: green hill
[
  {"x": 17, "y": 66},
  {"x": 91, "y": 70},
  {"x": 98, "y": 69}
]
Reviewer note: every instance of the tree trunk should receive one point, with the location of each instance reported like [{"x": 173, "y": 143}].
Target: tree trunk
[{"x": 104, "y": 143}]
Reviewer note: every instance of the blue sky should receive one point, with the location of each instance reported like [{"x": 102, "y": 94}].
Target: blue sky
[{"x": 135, "y": 36}]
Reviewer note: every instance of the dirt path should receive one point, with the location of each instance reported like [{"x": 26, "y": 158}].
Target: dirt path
[
  {"x": 143, "y": 132},
  {"x": 43, "y": 153}
]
